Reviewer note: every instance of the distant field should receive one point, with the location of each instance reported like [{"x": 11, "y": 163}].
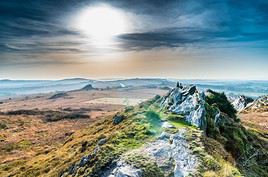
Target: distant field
[
  {"x": 255, "y": 120},
  {"x": 117, "y": 101},
  {"x": 13, "y": 88}
]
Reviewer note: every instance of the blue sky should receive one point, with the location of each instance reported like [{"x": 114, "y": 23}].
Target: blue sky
[{"x": 172, "y": 38}]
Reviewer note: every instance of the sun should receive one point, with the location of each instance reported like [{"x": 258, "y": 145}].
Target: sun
[{"x": 101, "y": 23}]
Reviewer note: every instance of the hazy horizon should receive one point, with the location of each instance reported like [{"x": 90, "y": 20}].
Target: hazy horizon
[
  {"x": 127, "y": 78},
  {"x": 11, "y": 88}
]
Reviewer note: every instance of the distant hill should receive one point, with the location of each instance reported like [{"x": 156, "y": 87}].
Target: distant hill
[
  {"x": 11, "y": 88},
  {"x": 88, "y": 88}
]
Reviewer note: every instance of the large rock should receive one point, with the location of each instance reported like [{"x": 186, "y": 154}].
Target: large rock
[
  {"x": 118, "y": 119},
  {"x": 102, "y": 141},
  {"x": 187, "y": 101}
]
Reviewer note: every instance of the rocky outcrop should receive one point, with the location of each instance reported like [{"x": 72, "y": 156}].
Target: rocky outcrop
[
  {"x": 187, "y": 101},
  {"x": 88, "y": 88},
  {"x": 259, "y": 105},
  {"x": 241, "y": 102}
]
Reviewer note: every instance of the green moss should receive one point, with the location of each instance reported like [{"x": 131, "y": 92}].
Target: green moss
[
  {"x": 211, "y": 163},
  {"x": 211, "y": 112},
  {"x": 222, "y": 103},
  {"x": 154, "y": 120},
  {"x": 174, "y": 117}
]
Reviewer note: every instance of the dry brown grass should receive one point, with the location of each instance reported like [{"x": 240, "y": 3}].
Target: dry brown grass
[
  {"x": 26, "y": 136},
  {"x": 256, "y": 120}
]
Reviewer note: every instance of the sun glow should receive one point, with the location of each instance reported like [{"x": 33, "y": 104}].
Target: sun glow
[{"x": 101, "y": 24}]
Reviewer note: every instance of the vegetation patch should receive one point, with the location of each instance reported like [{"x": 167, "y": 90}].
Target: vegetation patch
[
  {"x": 220, "y": 100},
  {"x": 56, "y": 116},
  {"x": 3, "y": 126},
  {"x": 49, "y": 116},
  {"x": 247, "y": 148}
]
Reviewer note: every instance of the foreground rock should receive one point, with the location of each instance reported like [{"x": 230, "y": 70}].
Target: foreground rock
[
  {"x": 172, "y": 154},
  {"x": 118, "y": 119}
]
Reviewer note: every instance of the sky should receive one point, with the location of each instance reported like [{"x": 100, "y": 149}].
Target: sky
[{"x": 193, "y": 39}]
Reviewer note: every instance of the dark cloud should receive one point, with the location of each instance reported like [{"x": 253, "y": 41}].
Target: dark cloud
[
  {"x": 24, "y": 25},
  {"x": 190, "y": 37}
]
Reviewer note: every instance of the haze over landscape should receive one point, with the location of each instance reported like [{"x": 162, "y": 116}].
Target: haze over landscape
[{"x": 133, "y": 88}]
